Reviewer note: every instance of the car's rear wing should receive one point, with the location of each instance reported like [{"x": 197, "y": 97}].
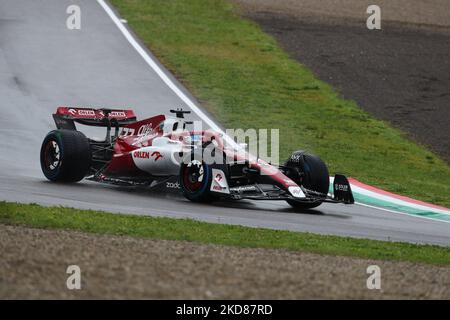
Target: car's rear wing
[{"x": 65, "y": 117}]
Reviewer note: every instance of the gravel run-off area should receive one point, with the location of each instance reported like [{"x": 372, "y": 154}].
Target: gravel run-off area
[{"x": 34, "y": 263}]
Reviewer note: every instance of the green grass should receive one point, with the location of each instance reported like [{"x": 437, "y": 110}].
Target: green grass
[
  {"x": 202, "y": 232},
  {"x": 242, "y": 76}
]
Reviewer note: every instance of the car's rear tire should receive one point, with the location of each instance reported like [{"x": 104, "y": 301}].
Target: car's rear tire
[
  {"x": 310, "y": 172},
  {"x": 65, "y": 156}
]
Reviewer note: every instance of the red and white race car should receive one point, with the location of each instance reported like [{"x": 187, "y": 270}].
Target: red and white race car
[{"x": 162, "y": 152}]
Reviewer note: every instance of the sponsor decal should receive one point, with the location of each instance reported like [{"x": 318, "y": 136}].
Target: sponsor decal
[
  {"x": 219, "y": 183},
  {"x": 157, "y": 155},
  {"x": 296, "y": 192},
  {"x": 141, "y": 154},
  {"x": 146, "y": 155},
  {"x": 81, "y": 112},
  {"x": 173, "y": 185},
  {"x": 244, "y": 188},
  {"x": 117, "y": 114},
  {"x": 145, "y": 130},
  {"x": 342, "y": 187},
  {"x": 144, "y": 134},
  {"x": 218, "y": 188},
  {"x": 296, "y": 158},
  {"x": 88, "y": 113}
]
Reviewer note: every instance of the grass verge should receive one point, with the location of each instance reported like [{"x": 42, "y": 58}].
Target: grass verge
[
  {"x": 240, "y": 74},
  {"x": 201, "y": 232}
]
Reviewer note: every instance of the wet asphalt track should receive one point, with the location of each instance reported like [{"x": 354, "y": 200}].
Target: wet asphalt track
[{"x": 43, "y": 65}]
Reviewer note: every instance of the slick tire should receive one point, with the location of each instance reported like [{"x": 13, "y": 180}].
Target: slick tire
[
  {"x": 65, "y": 156},
  {"x": 310, "y": 172}
]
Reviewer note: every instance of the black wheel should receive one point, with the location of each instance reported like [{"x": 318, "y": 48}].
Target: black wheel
[
  {"x": 310, "y": 172},
  {"x": 65, "y": 156},
  {"x": 196, "y": 176}
]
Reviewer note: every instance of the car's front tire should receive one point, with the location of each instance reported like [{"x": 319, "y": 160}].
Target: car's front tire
[
  {"x": 310, "y": 172},
  {"x": 65, "y": 156}
]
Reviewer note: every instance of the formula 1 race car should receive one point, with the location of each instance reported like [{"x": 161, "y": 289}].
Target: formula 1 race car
[{"x": 161, "y": 151}]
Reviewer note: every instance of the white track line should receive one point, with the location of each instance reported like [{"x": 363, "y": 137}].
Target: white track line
[{"x": 162, "y": 74}]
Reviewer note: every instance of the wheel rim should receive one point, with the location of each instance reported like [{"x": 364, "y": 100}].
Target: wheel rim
[
  {"x": 52, "y": 155},
  {"x": 193, "y": 176}
]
